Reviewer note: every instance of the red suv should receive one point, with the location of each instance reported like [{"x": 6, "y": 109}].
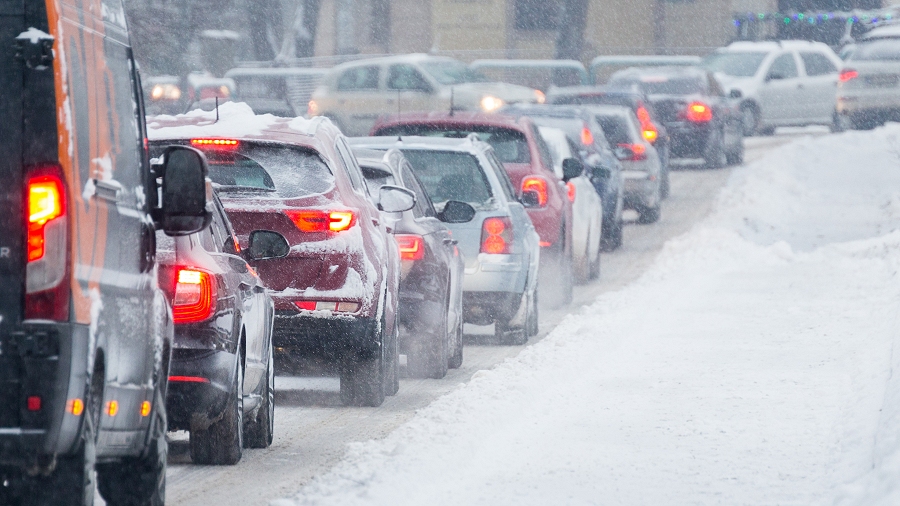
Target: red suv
[
  {"x": 335, "y": 293},
  {"x": 527, "y": 160}
]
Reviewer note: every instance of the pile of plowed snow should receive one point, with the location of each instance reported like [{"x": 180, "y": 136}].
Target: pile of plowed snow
[{"x": 749, "y": 365}]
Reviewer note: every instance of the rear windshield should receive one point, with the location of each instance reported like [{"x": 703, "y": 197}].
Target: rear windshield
[
  {"x": 448, "y": 175},
  {"x": 663, "y": 85},
  {"x": 617, "y": 129},
  {"x": 271, "y": 171},
  {"x": 571, "y": 126},
  {"x": 884, "y": 49},
  {"x": 735, "y": 63},
  {"x": 509, "y": 145}
]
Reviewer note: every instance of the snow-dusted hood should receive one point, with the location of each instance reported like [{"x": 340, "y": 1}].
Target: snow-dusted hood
[{"x": 469, "y": 95}]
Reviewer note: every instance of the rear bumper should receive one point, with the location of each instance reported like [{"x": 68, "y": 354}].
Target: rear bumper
[
  {"x": 333, "y": 338},
  {"x": 496, "y": 273},
  {"x": 640, "y": 188},
  {"x": 485, "y": 308},
  {"x": 688, "y": 140},
  {"x": 200, "y": 402}
]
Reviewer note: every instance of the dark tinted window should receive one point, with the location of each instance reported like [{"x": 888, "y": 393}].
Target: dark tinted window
[
  {"x": 817, "y": 64},
  {"x": 375, "y": 178},
  {"x": 510, "y": 145},
  {"x": 276, "y": 171},
  {"x": 406, "y": 77},
  {"x": 735, "y": 63},
  {"x": 423, "y": 203},
  {"x": 784, "y": 67},
  {"x": 884, "y": 49},
  {"x": 359, "y": 78},
  {"x": 449, "y": 175},
  {"x": 617, "y": 129}
]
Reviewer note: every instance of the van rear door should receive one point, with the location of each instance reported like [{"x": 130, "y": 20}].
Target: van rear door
[{"x": 12, "y": 261}]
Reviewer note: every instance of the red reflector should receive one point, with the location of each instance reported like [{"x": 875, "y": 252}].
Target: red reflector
[
  {"x": 587, "y": 138},
  {"x": 539, "y": 185},
  {"x": 412, "y": 247},
  {"x": 496, "y": 236},
  {"x": 34, "y": 403},
  {"x": 847, "y": 75},
  {"x": 195, "y": 296},
  {"x": 214, "y": 143},
  {"x": 310, "y": 220},
  {"x": 307, "y": 305},
  {"x": 699, "y": 112},
  {"x": 545, "y": 244},
  {"x": 188, "y": 379},
  {"x": 571, "y": 191}
]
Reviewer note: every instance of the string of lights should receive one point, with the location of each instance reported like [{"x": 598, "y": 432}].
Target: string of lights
[{"x": 813, "y": 18}]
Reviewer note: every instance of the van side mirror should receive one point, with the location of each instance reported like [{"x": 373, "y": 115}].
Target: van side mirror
[
  {"x": 735, "y": 93},
  {"x": 572, "y": 168},
  {"x": 265, "y": 244},
  {"x": 457, "y": 212},
  {"x": 530, "y": 198},
  {"x": 183, "y": 210},
  {"x": 394, "y": 199}
]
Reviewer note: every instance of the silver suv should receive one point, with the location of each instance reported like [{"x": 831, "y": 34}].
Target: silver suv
[
  {"x": 500, "y": 246},
  {"x": 869, "y": 88},
  {"x": 354, "y": 94}
]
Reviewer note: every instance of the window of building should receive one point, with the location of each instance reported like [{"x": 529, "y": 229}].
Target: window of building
[{"x": 536, "y": 14}]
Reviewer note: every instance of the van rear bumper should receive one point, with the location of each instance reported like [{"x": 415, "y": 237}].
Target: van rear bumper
[{"x": 45, "y": 361}]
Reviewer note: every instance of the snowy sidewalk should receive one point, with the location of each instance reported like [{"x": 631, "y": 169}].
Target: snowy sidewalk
[{"x": 748, "y": 366}]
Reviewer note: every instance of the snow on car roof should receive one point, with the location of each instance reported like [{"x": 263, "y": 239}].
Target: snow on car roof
[
  {"x": 467, "y": 144},
  {"x": 886, "y": 32},
  {"x": 770, "y": 45}
]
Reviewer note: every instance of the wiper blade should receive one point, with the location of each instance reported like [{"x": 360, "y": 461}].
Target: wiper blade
[{"x": 240, "y": 188}]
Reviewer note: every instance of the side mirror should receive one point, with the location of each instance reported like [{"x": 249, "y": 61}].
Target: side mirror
[
  {"x": 623, "y": 153},
  {"x": 530, "y": 198},
  {"x": 183, "y": 210},
  {"x": 572, "y": 168},
  {"x": 265, "y": 244},
  {"x": 456, "y": 212},
  {"x": 735, "y": 93},
  {"x": 394, "y": 199}
]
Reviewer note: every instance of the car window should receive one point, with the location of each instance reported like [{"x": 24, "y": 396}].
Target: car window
[
  {"x": 784, "y": 67},
  {"x": 350, "y": 165},
  {"x": 219, "y": 232},
  {"x": 543, "y": 149},
  {"x": 617, "y": 129},
  {"x": 451, "y": 72},
  {"x": 660, "y": 84},
  {"x": 884, "y": 49},
  {"x": 271, "y": 171},
  {"x": 505, "y": 184},
  {"x": 714, "y": 87},
  {"x": 735, "y": 63},
  {"x": 359, "y": 78},
  {"x": 450, "y": 175},
  {"x": 407, "y": 78},
  {"x": 510, "y": 145},
  {"x": 817, "y": 64},
  {"x": 375, "y": 178},
  {"x": 423, "y": 206}
]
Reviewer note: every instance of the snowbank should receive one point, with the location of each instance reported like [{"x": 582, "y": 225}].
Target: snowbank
[{"x": 748, "y": 366}]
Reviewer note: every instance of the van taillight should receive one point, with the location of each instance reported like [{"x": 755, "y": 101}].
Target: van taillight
[
  {"x": 538, "y": 185},
  {"x": 698, "y": 112},
  {"x": 639, "y": 151},
  {"x": 412, "y": 246},
  {"x": 496, "y": 236},
  {"x": 848, "y": 75},
  {"x": 195, "y": 296},
  {"x": 46, "y": 273}
]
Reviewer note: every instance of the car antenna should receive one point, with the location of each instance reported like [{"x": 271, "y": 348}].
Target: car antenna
[
  {"x": 217, "y": 108},
  {"x": 398, "y": 103},
  {"x": 451, "y": 101}
]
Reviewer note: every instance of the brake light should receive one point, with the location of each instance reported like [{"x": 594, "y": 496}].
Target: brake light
[
  {"x": 571, "y": 191},
  {"x": 587, "y": 138},
  {"x": 46, "y": 288},
  {"x": 412, "y": 247},
  {"x": 643, "y": 115},
  {"x": 312, "y": 220},
  {"x": 698, "y": 112},
  {"x": 188, "y": 379},
  {"x": 650, "y": 134},
  {"x": 539, "y": 186},
  {"x": 496, "y": 236},
  {"x": 215, "y": 143},
  {"x": 639, "y": 150},
  {"x": 312, "y": 108},
  {"x": 848, "y": 74},
  {"x": 195, "y": 296}
]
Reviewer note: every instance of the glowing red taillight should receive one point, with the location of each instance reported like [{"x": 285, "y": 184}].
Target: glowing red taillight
[
  {"x": 648, "y": 129},
  {"x": 215, "y": 143},
  {"x": 698, "y": 112},
  {"x": 412, "y": 246},
  {"x": 848, "y": 74},
  {"x": 195, "y": 296},
  {"x": 496, "y": 236},
  {"x": 570, "y": 189},
  {"x": 587, "y": 138},
  {"x": 312, "y": 220},
  {"x": 537, "y": 185},
  {"x": 639, "y": 151},
  {"x": 47, "y": 270}
]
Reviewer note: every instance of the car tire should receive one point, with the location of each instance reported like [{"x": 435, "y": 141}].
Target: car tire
[
  {"x": 456, "y": 359},
  {"x": 749, "y": 119},
  {"x": 715, "y": 156},
  {"x": 72, "y": 481},
  {"x": 767, "y": 131},
  {"x": 431, "y": 359},
  {"x": 504, "y": 334},
  {"x": 594, "y": 267},
  {"x": 392, "y": 377},
  {"x": 647, "y": 215},
  {"x": 260, "y": 432},
  {"x": 532, "y": 325},
  {"x": 222, "y": 443},
  {"x": 362, "y": 379},
  {"x": 140, "y": 480},
  {"x": 736, "y": 157},
  {"x": 839, "y": 123},
  {"x": 665, "y": 185},
  {"x": 612, "y": 234}
]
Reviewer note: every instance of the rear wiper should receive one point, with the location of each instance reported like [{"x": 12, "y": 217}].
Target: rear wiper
[{"x": 240, "y": 188}]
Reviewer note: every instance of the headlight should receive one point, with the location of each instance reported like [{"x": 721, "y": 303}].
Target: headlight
[
  {"x": 539, "y": 96},
  {"x": 165, "y": 91},
  {"x": 491, "y": 104}
]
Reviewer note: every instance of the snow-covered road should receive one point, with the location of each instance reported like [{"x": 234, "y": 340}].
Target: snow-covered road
[{"x": 749, "y": 364}]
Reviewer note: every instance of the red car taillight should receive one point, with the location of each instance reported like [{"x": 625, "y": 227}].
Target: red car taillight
[
  {"x": 47, "y": 270},
  {"x": 648, "y": 129},
  {"x": 195, "y": 296},
  {"x": 698, "y": 112},
  {"x": 412, "y": 246},
  {"x": 570, "y": 188},
  {"x": 496, "y": 236},
  {"x": 639, "y": 150},
  {"x": 587, "y": 138},
  {"x": 215, "y": 143},
  {"x": 848, "y": 74},
  {"x": 311, "y": 220},
  {"x": 539, "y": 186}
]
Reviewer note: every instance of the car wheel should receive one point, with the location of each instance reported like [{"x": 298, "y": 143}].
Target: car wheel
[
  {"x": 505, "y": 334},
  {"x": 222, "y": 442},
  {"x": 664, "y": 183},
  {"x": 140, "y": 480},
  {"x": 456, "y": 359},
  {"x": 736, "y": 157},
  {"x": 749, "y": 119},
  {"x": 612, "y": 234},
  {"x": 839, "y": 123},
  {"x": 429, "y": 358},
  {"x": 594, "y": 270},
  {"x": 392, "y": 378},
  {"x": 259, "y": 433},
  {"x": 715, "y": 156},
  {"x": 72, "y": 480},
  {"x": 362, "y": 379},
  {"x": 767, "y": 131},
  {"x": 583, "y": 267}
]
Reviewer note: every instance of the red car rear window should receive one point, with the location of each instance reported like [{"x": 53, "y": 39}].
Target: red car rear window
[{"x": 276, "y": 171}]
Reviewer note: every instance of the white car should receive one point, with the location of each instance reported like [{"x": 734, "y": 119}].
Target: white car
[
  {"x": 869, "y": 89},
  {"x": 786, "y": 83},
  {"x": 356, "y": 93},
  {"x": 587, "y": 208}
]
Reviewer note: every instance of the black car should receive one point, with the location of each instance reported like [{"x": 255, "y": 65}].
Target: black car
[
  {"x": 702, "y": 121},
  {"x": 581, "y": 126},
  {"x": 221, "y": 379},
  {"x": 653, "y": 130},
  {"x": 431, "y": 305}
]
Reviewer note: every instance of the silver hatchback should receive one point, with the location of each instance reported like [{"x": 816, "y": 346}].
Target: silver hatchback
[{"x": 500, "y": 246}]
